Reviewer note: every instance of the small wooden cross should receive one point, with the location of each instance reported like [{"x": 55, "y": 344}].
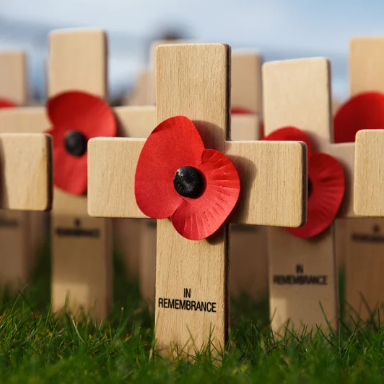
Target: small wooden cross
[
  {"x": 365, "y": 265},
  {"x": 193, "y": 80},
  {"x": 297, "y": 93},
  {"x": 82, "y": 264}
]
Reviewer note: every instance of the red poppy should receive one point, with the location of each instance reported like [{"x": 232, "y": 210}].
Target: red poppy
[
  {"x": 363, "y": 111},
  {"x": 4, "y": 103},
  {"x": 177, "y": 177},
  {"x": 76, "y": 117},
  {"x": 326, "y": 185}
]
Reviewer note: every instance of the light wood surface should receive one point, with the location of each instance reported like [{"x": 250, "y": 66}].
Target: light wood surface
[
  {"x": 271, "y": 174},
  {"x": 248, "y": 272},
  {"x": 16, "y": 253},
  {"x": 248, "y": 260},
  {"x": 369, "y": 173},
  {"x": 364, "y": 267},
  {"x": 78, "y": 61},
  {"x": 147, "y": 262},
  {"x": 364, "y": 263},
  {"x": 26, "y": 172},
  {"x": 297, "y": 93},
  {"x": 13, "y": 76},
  {"x": 292, "y": 258},
  {"x": 136, "y": 241},
  {"x": 302, "y": 99},
  {"x": 245, "y": 127},
  {"x": 366, "y": 64},
  {"x": 183, "y": 72},
  {"x": 246, "y": 81},
  {"x": 81, "y": 271}
]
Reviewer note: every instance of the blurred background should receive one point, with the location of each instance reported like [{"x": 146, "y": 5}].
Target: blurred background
[{"x": 278, "y": 29}]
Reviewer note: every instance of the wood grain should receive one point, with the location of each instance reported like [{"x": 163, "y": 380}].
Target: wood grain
[
  {"x": 245, "y": 127},
  {"x": 364, "y": 267},
  {"x": 246, "y": 81},
  {"x": 248, "y": 272},
  {"x": 25, "y": 171},
  {"x": 366, "y": 64},
  {"x": 293, "y": 258},
  {"x": 369, "y": 173},
  {"x": 77, "y": 61},
  {"x": 81, "y": 271},
  {"x": 302, "y": 99},
  {"x": 16, "y": 252},
  {"x": 297, "y": 93},
  {"x": 13, "y": 76},
  {"x": 271, "y": 174}
]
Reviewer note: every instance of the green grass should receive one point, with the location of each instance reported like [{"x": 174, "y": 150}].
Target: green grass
[{"x": 36, "y": 346}]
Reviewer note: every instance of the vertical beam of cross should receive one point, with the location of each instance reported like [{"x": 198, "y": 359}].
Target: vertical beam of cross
[
  {"x": 297, "y": 93},
  {"x": 81, "y": 265},
  {"x": 193, "y": 80}
]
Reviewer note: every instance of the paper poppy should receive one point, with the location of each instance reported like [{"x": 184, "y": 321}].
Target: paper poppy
[
  {"x": 326, "y": 185},
  {"x": 4, "y": 103},
  {"x": 76, "y": 117},
  {"x": 177, "y": 177},
  {"x": 363, "y": 111}
]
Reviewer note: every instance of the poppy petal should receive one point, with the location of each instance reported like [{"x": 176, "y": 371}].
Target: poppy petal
[
  {"x": 4, "y": 103},
  {"x": 363, "y": 111},
  {"x": 327, "y": 184},
  {"x": 236, "y": 110},
  {"x": 174, "y": 143},
  {"x": 85, "y": 113},
  {"x": 290, "y": 134},
  {"x": 196, "y": 219}
]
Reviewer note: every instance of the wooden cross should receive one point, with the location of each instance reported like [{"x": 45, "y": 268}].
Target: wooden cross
[
  {"x": 248, "y": 244},
  {"x": 297, "y": 93},
  {"x": 193, "y": 80},
  {"x": 82, "y": 265},
  {"x": 365, "y": 265}
]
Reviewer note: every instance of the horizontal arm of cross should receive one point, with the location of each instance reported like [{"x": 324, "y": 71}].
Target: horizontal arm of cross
[
  {"x": 369, "y": 173},
  {"x": 25, "y": 171},
  {"x": 272, "y": 185},
  {"x": 271, "y": 173}
]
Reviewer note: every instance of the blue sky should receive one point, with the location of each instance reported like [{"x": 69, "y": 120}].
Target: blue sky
[{"x": 277, "y": 28}]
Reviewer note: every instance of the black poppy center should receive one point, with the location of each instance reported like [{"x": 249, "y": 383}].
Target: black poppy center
[
  {"x": 310, "y": 187},
  {"x": 188, "y": 182},
  {"x": 75, "y": 143}
]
